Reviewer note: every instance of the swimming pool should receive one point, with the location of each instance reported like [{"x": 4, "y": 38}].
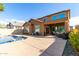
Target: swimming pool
[{"x": 13, "y": 38}]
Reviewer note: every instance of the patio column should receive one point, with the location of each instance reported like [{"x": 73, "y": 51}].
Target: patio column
[
  {"x": 42, "y": 29},
  {"x": 67, "y": 28}
]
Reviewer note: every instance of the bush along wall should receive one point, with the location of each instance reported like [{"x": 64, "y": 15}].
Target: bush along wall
[{"x": 74, "y": 40}]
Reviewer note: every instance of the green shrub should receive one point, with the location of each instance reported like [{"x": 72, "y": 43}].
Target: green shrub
[{"x": 74, "y": 39}]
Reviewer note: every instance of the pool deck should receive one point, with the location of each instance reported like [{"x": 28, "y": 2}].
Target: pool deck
[{"x": 32, "y": 46}]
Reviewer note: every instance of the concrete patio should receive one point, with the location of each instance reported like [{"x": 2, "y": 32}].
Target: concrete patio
[{"x": 32, "y": 46}]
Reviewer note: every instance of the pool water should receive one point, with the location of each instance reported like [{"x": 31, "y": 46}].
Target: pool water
[{"x": 13, "y": 38}]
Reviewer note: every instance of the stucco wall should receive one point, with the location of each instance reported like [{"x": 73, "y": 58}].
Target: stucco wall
[{"x": 39, "y": 23}]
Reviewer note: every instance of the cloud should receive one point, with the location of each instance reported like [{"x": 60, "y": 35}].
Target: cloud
[{"x": 74, "y": 21}]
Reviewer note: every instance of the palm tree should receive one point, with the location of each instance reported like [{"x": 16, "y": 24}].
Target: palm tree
[{"x": 1, "y": 7}]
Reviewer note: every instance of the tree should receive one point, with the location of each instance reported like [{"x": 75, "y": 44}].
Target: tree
[{"x": 1, "y": 7}]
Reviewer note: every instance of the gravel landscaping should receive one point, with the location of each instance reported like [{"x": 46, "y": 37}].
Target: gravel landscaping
[{"x": 68, "y": 50}]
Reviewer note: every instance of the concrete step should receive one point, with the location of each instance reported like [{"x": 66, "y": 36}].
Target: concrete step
[{"x": 56, "y": 49}]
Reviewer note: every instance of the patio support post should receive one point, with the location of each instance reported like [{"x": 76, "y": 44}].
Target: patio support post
[
  {"x": 42, "y": 30},
  {"x": 67, "y": 28}
]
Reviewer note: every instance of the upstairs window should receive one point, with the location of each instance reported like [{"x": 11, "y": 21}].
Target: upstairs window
[
  {"x": 63, "y": 15},
  {"x": 45, "y": 20},
  {"x": 54, "y": 18}
]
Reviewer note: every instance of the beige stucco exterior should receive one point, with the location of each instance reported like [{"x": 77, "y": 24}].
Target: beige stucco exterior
[{"x": 59, "y": 22}]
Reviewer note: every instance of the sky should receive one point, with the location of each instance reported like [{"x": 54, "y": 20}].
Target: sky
[{"x": 25, "y": 11}]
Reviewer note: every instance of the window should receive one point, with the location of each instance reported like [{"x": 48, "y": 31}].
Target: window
[
  {"x": 45, "y": 20},
  {"x": 37, "y": 28},
  {"x": 61, "y": 15},
  {"x": 54, "y": 18},
  {"x": 62, "y": 29}
]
